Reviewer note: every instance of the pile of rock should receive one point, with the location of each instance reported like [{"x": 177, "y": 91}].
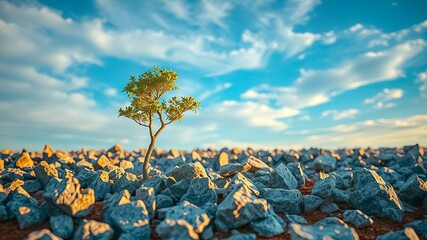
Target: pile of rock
[{"x": 192, "y": 195}]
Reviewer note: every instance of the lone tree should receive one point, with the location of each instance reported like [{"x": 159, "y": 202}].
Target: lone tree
[{"x": 147, "y": 104}]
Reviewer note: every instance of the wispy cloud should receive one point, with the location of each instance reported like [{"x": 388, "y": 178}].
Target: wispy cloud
[
  {"x": 206, "y": 94},
  {"x": 384, "y": 99},
  {"x": 422, "y": 78},
  {"x": 343, "y": 114}
]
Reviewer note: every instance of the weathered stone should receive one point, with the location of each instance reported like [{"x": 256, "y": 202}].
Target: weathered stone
[
  {"x": 185, "y": 221},
  {"x": 232, "y": 169},
  {"x": 146, "y": 194},
  {"x": 312, "y": 202},
  {"x": 413, "y": 191},
  {"x": 240, "y": 207},
  {"x": 43, "y": 234},
  {"x": 101, "y": 162},
  {"x": 24, "y": 161},
  {"x": 342, "y": 196},
  {"x": 127, "y": 181},
  {"x": 191, "y": 170},
  {"x": 419, "y": 226},
  {"x": 404, "y": 234},
  {"x": 324, "y": 188},
  {"x": 295, "y": 219},
  {"x": 331, "y": 221},
  {"x": 269, "y": 226},
  {"x": 200, "y": 192},
  {"x": 101, "y": 185},
  {"x": 32, "y": 186},
  {"x": 48, "y": 153},
  {"x": 281, "y": 177},
  {"x": 284, "y": 201},
  {"x": 310, "y": 232},
  {"x": 240, "y": 179},
  {"x": 86, "y": 177},
  {"x": 62, "y": 225},
  {"x": 329, "y": 208},
  {"x": 44, "y": 172},
  {"x": 68, "y": 196},
  {"x": 357, "y": 218},
  {"x": 4, "y": 213},
  {"x": 297, "y": 172},
  {"x": 131, "y": 218},
  {"x": 156, "y": 182},
  {"x": 163, "y": 201},
  {"x": 91, "y": 229},
  {"x": 376, "y": 197},
  {"x": 324, "y": 163},
  {"x": 256, "y": 164},
  {"x": 178, "y": 189}
]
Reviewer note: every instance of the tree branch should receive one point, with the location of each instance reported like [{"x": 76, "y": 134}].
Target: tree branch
[
  {"x": 141, "y": 124},
  {"x": 150, "y": 127},
  {"x": 160, "y": 118}
]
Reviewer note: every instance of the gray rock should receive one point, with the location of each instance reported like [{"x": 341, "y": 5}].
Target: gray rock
[
  {"x": 91, "y": 229},
  {"x": 404, "y": 234},
  {"x": 357, "y": 218},
  {"x": 240, "y": 179},
  {"x": 32, "y": 186},
  {"x": 269, "y": 226},
  {"x": 68, "y": 196},
  {"x": 413, "y": 191},
  {"x": 324, "y": 163},
  {"x": 389, "y": 175},
  {"x": 239, "y": 208},
  {"x": 131, "y": 217},
  {"x": 419, "y": 226},
  {"x": 156, "y": 182},
  {"x": 200, "y": 192},
  {"x": 127, "y": 181},
  {"x": 313, "y": 232},
  {"x": 146, "y": 194},
  {"x": 178, "y": 189},
  {"x": 86, "y": 177},
  {"x": 296, "y": 169},
  {"x": 43, "y": 234},
  {"x": 282, "y": 177},
  {"x": 44, "y": 172},
  {"x": 324, "y": 188},
  {"x": 185, "y": 221},
  {"x": 285, "y": 201},
  {"x": 342, "y": 196},
  {"x": 30, "y": 216},
  {"x": 295, "y": 219},
  {"x": 312, "y": 202},
  {"x": 62, "y": 225},
  {"x": 163, "y": 201},
  {"x": 191, "y": 170},
  {"x": 331, "y": 221},
  {"x": 232, "y": 169},
  {"x": 329, "y": 208},
  {"x": 101, "y": 185},
  {"x": 256, "y": 164},
  {"x": 377, "y": 198}
]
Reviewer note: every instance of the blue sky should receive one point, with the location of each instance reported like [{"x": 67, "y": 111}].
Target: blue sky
[{"x": 270, "y": 74}]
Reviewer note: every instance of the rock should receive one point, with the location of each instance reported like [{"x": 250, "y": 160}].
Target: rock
[
  {"x": 295, "y": 219},
  {"x": 342, "y": 196},
  {"x": 157, "y": 183},
  {"x": 324, "y": 163},
  {"x": 329, "y": 208},
  {"x": 407, "y": 233},
  {"x": 300, "y": 232},
  {"x": 43, "y": 234},
  {"x": 200, "y": 192},
  {"x": 241, "y": 236},
  {"x": 191, "y": 170},
  {"x": 281, "y": 177},
  {"x": 324, "y": 188},
  {"x": 146, "y": 194},
  {"x": 377, "y": 197},
  {"x": 185, "y": 221},
  {"x": 256, "y": 164},
  {"x": 178, "y": 189},
  {"x": 116, "y": 149},
  {"x": 68, "y": 196},
  {"x": 32, "y": 186},
  {"x": 269, "y": 226},
  {"x": 312, "y": 202},
  {"x": 4, "y": 213},
  {"x": 239, "y": 208},
  {"x": 127, "y": 181},
  {"x": 48, "y": 153},
  {"x": 163, "y": 201},
  {"x": 297, "y": 172},
  {"x": 30, "y": 216},
  {"x": 357, "y": 218},
  {"x": 220, "y": 160},
  {"x": 24, "y": 161},
  {"x": 419, "y": 226},
  {"x": 413, "y": 191},
  {"x": 91, "y": 229},
  {"x": 101, "y": 185},
  {"x": 240, "y": 179},
  {"x": 86, "y": 177},
  {"x": 130, "y": 218},
  {"x": 44, "y": 172},
  {"x": 331, "y": 221},
  {"x": 101, "y": 162},
  {"x": 284, "y": 201},
  {"x": 62, "y": 225},
  {"x": 231, "y": 169}
]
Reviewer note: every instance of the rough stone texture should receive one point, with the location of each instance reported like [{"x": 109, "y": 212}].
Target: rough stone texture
[
  {"x": 146, "y": 194},
  {"x": 282, "y": 177},
  {"x": 239, "y": 208},
  {"x": 324, "y": 163},
  {"x": 324, "y": 188},
  {"x": 191, "y": 170},
  {"x": 407, "y": 233},
  {"x": 256, "y": 164},
  {"x": 269, "y": 226},
  {"x": 374, "y": 196},
  {"x": 342, "y": 196},
  {"x": 24, "y": 161},
  {"x": 62, "y": 225},
  {"x": 357, "y": 218},
  {"x": 200, "y": 192},
  {"x": 185, "y": 221},
  {"x": 68, "y": 196},
  {"x": 127, "y": 181},
  {"x": 91, "y": 229},
  {"x": 296, "y": 169},
  {"x": 311, "y": 232},
  {"x": 232, "y": 169},
  {"x": 32, "y": 186},
  {"x": 157, "y": 183},
  {"x": 295, "y": 219},
  {"x": 44, "y": 172},
  {"x": 29, "y": 216},
  {"x": 420, "y": 227},
  {"x": 413, "y": 191},
  {"x": 285, "y": 201},
  {"x": 329, "y": 208},
  {"x": 101, "y": 185},
  {"x": 163, "y": 201},
  {"x": 240, "y": 179},
  {"x": 312, "y": 202},
  {"x": 43, "y": 234}
]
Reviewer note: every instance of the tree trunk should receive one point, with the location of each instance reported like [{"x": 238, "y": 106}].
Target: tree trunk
[{"x": 147, "y": 159}]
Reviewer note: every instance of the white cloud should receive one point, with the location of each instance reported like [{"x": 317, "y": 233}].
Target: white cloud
[
  {"x": 338, "y": 115},
  {"x": 110, "y": 92},
  {"x": 422, "y": 78},
  {"x": 297, "y": 12},
  {"x": 384, "y": 98},
  {"x": 208, "y": 93}
]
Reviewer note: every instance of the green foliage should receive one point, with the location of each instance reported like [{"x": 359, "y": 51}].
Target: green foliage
[{"x": 146, "y": 93}]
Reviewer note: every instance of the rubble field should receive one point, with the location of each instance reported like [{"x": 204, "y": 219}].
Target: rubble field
[{"x": 210, "y": 194}]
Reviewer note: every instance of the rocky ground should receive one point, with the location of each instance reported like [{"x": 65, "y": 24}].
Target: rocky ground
[{"x": 227, "y": 194}]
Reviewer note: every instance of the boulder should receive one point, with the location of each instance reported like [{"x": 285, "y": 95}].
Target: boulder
[
  {"x": 29, "y": 216},
  {"x": 191, "y": 170},
  {"x": 157, "y": 183},
  {"x": 127, "y": 181},
  {"x": 62, "y": 225},
  {"x": 101, "y": 162},
  {"x": 146, "y": 194},
  {"x": 200, "y": 192},
  {"x": 312, "y": 202},
  {"x": 231, "y": 169},
  {"x": 43, "y": 234},
  {"x": 91, "y": 229},
  {"x": 324, "y": 188},
  {"x": 342, "y": 196},
  {"x": 131, "y": 218},
  {"x": 240, "y": 179},
  {"x": 68, "y": 196},
  {"x": 101, "y": 185},
  {"x": 177, "y": 190},
  {"x": 357, "y": 218},
  {"x": 284, "y": 201},
  {"x": 269, "y": 226},
  {"x": 163, "y": 201},
  {"x": 256, "y": 164},
  {"x": 185, "y": 221},
  {"x": 324, "y": 163},
  {"x": 282, "y": 177},
  {"x": 310, "y": 232},
  {"x": 376, "y": 197},
  {"x": 24, "y": 161},
  {"x": 44, "y": 172},
  {"x": 239, "y": 208},
  {"x": 297, "y": 172},
  {"x": 236, "y": 235},
  {"x": 413, "y": 191}
]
